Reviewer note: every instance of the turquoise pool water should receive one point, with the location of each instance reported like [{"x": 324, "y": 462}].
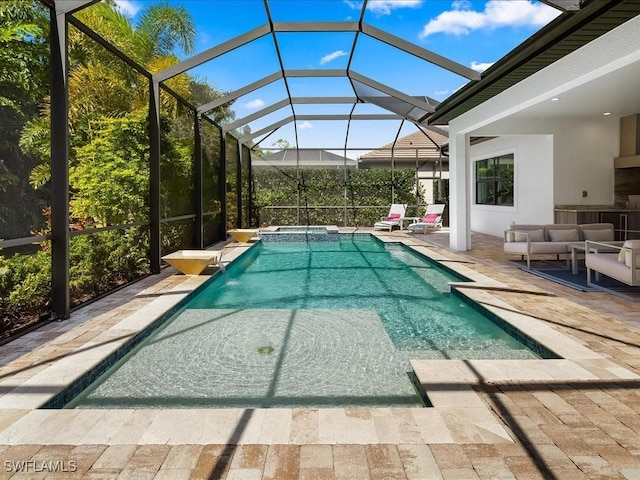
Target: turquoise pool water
[
  {"x": 411, "y": 295},
  {"x": 305, "y": 324}
]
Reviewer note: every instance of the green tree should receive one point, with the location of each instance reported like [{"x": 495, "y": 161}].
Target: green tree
[
  {"x": 109, "y": 142},
  {"x": 24, "y": 81},
  {"x": 326, "y": 187}
]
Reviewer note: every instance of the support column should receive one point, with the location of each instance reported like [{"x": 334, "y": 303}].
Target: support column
[
  {"x": 459, "y": 188},
  {"x": 197, "y": 181},
  {"x": 59, "y": 166},
  {"x": 222, "y": 180},
  {"x": 251, "y": 219},
  {"x": 239, "y": 186},
  {"x": 154, "y": 176}
]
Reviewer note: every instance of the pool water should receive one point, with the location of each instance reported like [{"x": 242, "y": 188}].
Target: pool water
[
  {"x": 302, "y": 228},
  {"x": 411, "y": 295},
  {"x": 305, "y": 324}
]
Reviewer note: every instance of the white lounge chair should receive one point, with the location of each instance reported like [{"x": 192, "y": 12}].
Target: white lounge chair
[
  {"x": 431, "y": 221},
  {"x": 396, "y": 212}
]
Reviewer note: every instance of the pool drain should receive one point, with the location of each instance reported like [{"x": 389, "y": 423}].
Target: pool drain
[{"x": 267, "y": 350}]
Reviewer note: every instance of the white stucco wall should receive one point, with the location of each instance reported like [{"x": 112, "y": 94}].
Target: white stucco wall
[
  {"x": 583, "y": 153},
  {"x": 533, "y": 183},
  {"x": 582, "y": 149}
]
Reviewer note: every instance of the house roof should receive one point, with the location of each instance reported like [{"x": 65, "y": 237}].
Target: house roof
[
  {"x": 422, "y": 146},
  {"x": 303, "y": 157},
  {"x": 567, "y": 33}
]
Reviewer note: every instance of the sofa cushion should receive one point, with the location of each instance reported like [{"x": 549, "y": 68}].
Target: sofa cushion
[
  {"x": 625, "y": 255},
  {"x": 599, "y": 235},
  {"x": 534, "y": 235},
  {"x": 568, "y": 235}
]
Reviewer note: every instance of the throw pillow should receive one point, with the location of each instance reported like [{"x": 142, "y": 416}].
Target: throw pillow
[
  {"x": 430, "y": 218},
  {"x": 568, "y": 235},
  {"x": 534, "y": 235},
  {"x": 599, "y": 235},
  {"x": 627, "y": 254},
  {"x": 393, "y": 216}
]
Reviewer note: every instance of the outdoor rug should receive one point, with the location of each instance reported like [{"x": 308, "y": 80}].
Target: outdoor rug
[{"x": 557, "y": 272}]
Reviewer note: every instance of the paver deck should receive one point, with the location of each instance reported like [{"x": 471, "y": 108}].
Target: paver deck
[{"x": 572, "y": 418}]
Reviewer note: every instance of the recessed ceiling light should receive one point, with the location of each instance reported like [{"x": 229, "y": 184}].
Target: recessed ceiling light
[
  {"x": 555, "y": 99},
  {"x": 606, "y": 114}
]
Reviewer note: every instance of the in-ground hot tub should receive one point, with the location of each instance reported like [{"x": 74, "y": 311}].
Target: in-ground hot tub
[{"x": 301, "y": 233}]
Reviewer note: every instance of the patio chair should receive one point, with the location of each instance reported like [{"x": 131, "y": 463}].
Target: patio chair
[
  {"x": 396, "y": 212},
  {"x": 432, "y": 220}
]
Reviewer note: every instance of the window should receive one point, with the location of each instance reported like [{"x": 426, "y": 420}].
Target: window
[{"x": 494, "y": 181}]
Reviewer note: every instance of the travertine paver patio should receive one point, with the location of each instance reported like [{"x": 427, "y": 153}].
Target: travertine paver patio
[{"x": 538, "y": 428}]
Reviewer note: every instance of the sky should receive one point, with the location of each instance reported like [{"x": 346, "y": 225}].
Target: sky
[{"x": 472, "y": 33}]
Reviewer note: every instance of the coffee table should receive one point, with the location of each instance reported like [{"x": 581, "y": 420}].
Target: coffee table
[{"x": 410, "y": 220}]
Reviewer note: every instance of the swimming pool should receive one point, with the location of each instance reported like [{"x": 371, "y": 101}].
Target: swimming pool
[{"x": 305, "y": 324}]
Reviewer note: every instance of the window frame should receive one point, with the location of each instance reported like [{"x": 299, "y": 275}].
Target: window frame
[{"x": 494, "y": 181}]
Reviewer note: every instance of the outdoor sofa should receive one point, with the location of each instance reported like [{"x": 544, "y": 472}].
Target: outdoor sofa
[{"x": 554, "y": 239}]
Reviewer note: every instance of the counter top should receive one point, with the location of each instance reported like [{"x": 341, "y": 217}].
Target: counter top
[{"x": 594, "y": 208}]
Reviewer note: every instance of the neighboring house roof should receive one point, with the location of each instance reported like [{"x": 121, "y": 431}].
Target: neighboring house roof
[
  {"x": 303, "y": 157},
  {"x": 423, "y": 146},
  {"x": 565, "y": 34}
]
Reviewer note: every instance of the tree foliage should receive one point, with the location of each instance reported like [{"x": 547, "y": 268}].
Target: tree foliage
[
  {"x": 24, "y": 82},
  {"x": 109, "y": 144},
  {"x": 321, "y": 195}
]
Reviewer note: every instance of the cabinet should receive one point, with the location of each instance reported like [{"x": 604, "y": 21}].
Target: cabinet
[{"x": 574, "y": 216}]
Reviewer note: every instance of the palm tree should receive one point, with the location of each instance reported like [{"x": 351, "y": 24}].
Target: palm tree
[{"x": 101, "y": 85}]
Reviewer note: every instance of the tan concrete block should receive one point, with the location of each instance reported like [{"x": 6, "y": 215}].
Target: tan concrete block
[
  {"x": 173, "y": 474},
  {"x": 418, "y": 462},
  {"x": 213, "y": 462},
  {"x": 459, "y": 474},
  {"x": 350, "y": 462},
  {"x": 317, "y": 474},
  {"x": 249, "y": 457},
  {"x": 384, "y": 462},
  {"x": 148, "y": 458},
  {"x": 282, "y": 463},
  {"x": 304, "y": 426},
  {"x": 182, "y": 457},
  {"x": 115, "y": 457},
  {"x": 450, "y": 457},
  {"x": 316, "y": 456}
]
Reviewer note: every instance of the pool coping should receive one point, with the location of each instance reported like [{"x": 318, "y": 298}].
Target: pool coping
[{"x": 458, "y": 415}]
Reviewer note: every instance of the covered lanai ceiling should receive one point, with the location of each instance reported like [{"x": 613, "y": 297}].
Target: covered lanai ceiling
[{"x": 341, "y": 93}]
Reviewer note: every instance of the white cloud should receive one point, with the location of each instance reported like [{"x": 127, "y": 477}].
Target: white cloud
[
  {"x": 440, "y": 93},
  {"x": 253, "y": 104},
  {"x": 480, "y": 66},
  {"x": 332, "y": 56},
  {"x": 128, "y": 8},
  {"x": 304, "y": 125},
  {"x": 461, "y": 20},
  {"x": 384, "y": 7}
]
